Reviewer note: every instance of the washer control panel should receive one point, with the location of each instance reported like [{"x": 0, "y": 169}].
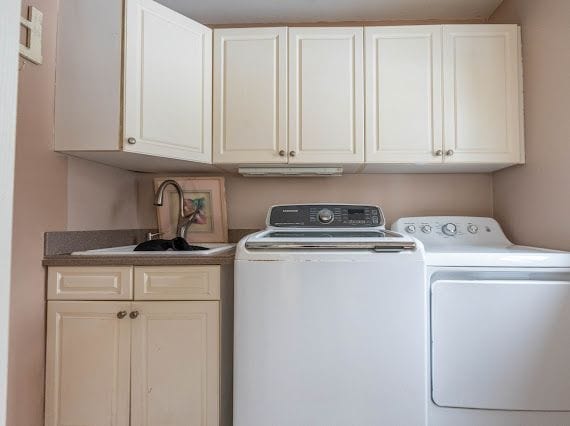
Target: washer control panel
[
  {"x": 454, "y": 230},
  {"x": 325, "y": 216}
]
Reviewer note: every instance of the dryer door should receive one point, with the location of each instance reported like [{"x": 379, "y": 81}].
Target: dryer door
[{"x": 501, "y": 344}]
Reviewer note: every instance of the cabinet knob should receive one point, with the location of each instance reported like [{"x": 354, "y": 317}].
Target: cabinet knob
[
  {"x": 438, "y": 153},
  {"x": 282, "y": 153},
  {"x": 132, "y": 141},
  {"x": 121, "y": 314},
  {"x": 292, "y": 153},
  {"x": 449, "y": 152},
  {"x": 134, "y": 314}
]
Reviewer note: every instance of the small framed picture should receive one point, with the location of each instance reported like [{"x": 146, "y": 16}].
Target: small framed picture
[{"x": 207, "y": 196}]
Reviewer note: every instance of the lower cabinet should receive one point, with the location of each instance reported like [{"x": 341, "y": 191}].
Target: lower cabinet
[
  {"x": 174, "y": 364},
  {"x": 121, "y": 363},
  {"x": 88, "y": 364}
]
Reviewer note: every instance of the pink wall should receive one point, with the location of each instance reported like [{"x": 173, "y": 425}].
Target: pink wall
[
  {"x": 398, "y": 194},
  {"x": 54, "y": 193},
  {"x": 40, "y": 204},
  {"x": 98, "y": 197},
  {"x": 533, "y": 201}
]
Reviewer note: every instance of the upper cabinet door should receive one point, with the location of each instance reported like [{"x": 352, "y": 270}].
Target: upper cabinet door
[
  {"x": 482, "y": 93},
  {"x": 168, "y": 83},
  {"x": 175, "y": 364},
  {"x": 250, "y": 95},
  {"x": 403, "y": 94},
  {"x": 326, "y": 95},
  {"x": 87, "y": 364}
]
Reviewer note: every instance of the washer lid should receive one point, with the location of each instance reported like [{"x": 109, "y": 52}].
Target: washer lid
[{"x": 377, "y": 240}]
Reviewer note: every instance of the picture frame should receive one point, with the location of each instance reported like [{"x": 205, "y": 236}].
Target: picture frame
[{"x": 207, "y": 194}]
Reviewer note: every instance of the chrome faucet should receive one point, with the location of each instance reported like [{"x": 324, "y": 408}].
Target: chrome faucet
[{"x": 184, "y": 221}]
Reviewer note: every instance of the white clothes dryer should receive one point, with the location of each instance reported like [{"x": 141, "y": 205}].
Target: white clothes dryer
[{"x": 499, "y": 325}]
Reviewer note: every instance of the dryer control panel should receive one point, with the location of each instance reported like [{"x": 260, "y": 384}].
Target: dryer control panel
[
  {"x": 325, "y": 216},
  {"x": 452, "y": 230}
]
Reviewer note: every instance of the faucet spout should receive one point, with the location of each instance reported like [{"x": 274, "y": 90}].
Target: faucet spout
[{"x": 184, "y": 221}]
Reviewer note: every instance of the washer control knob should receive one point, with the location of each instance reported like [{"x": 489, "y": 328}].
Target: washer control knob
[
  {"x": 473, "y": 229},
  {"x": 449, "y": 229},
  {"x": 326, "y": 216},
  {"x": 410, "y": 229},
  {"x": 426, "y": 229}
]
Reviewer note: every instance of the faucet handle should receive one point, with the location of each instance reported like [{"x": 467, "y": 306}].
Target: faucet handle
[{"x": 150, "y": 236}]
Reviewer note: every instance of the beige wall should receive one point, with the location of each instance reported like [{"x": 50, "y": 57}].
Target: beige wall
[
  {"x": 533, "y": 201},
  {"x": 100, "y": 197},
  {"x": 54, "y": 193},
  {"x": 9, "y": 36},
  {"x": 39, "y": 205},
  {"x": 398, "y": 194}
]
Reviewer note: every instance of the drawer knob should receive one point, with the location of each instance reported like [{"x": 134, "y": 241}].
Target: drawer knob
[
  {"x": 134, "y": 314},
  {"x": 282, "y": 153},
  {"x": 292, "y": 153},
  {"x": 121, "y": 314}
]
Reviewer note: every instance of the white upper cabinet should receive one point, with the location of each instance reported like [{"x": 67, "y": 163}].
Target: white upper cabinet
[
  {"x": 133, "y": 85},
  {"x": 326, "y": 95},
  {"x": 144, "y": 88},
  {"x": 250, "y": 95},
  {"x": 168, "y": 83},
  {"x": 291, "y": 96},
  {"x": 403, "y": 94},
  {"x": 448, "y": 94},
  {"x": 482, "y": 94}
]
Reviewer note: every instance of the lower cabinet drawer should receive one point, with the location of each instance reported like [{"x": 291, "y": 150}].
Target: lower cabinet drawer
[
  {"x": 177, "y": 282},
  {"x": 90, "y": 283}
]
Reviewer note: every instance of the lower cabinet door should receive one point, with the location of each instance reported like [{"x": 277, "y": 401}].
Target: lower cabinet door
[
  {"x": 88, "y": 363},
  {"x": 175, "y": 365}
]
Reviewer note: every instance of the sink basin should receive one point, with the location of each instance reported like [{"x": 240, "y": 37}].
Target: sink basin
[{"x": 213, "y": 248}]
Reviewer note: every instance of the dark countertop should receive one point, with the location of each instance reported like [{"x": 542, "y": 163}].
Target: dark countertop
[
  {"x": 224, "y": 258},
  {"x": 58, "y": 245}
]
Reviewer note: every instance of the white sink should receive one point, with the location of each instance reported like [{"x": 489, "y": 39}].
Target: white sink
[{"x": 213, "y": 248}]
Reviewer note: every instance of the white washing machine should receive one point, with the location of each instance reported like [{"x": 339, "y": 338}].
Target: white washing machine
[
  {"x": 330, "y": 321},
  {"x": 499, "y": 324}
]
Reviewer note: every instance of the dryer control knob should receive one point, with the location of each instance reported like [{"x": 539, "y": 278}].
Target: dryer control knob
[
  {"x": 410, "y": 229},
  {"x": 473, "y": 229},
  {"x": 426, "y": 229},
  {"x": 326, "y": 216},
  {"x": 449, "y": 229}
]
